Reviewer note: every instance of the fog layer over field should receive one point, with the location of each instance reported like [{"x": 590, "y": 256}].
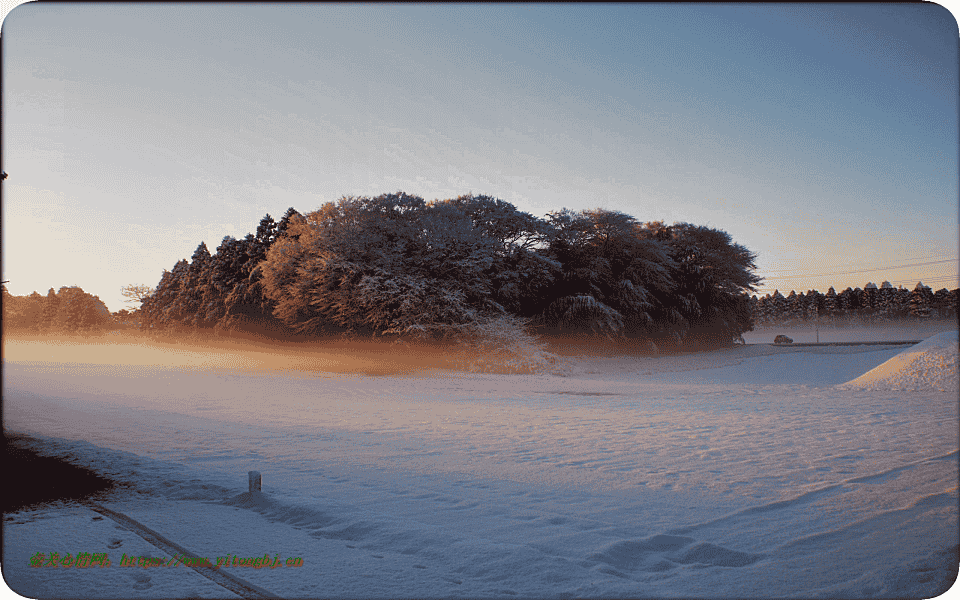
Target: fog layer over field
[
  {"x": 851, "y": 331},
  {"x": 750, "y": 471}
]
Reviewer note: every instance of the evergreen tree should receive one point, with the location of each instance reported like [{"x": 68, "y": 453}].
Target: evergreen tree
[
  {"x": 942, "y": 305},
  {"x": 920, "y": 300},
  {"x": 831, "y": 306},
  {"x": 815, "y": 303},
  {"x": 870, "y": 303},
  {"x": 48, "y": 314},
  {"x": 886, "y": 301},
  {"x": 793, "y": 307},
  {"x": 779, "y": 308}
]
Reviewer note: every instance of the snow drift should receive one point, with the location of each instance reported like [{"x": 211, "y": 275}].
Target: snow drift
[{"x": 931, "y": 364}]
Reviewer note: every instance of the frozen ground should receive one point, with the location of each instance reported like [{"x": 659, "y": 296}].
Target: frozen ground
[{"x": 748, "y": 472}]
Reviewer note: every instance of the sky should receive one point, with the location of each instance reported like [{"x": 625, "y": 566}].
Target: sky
[{"x": 823, "y": 137}]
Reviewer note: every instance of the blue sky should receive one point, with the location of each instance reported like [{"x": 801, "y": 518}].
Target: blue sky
[{"x": 821, "y": 136}]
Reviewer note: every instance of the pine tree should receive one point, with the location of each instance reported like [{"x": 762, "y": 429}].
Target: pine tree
[
  {"x": 779, "y": 308},
  {"x": 886, "y": 301},
  {"x": 920, "y": 300},
  {"x": 870, "y": 302},
  {"x": 48, "y": 315},
  {"x": 941, "y": 304},
  {"x": 830, "y": 304},
  {"x": 793, "y": 307}
]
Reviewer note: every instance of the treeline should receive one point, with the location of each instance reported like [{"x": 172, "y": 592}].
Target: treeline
[
  {"x": 70, "y": 311},
  {"x": 398, "y": 265},
  {"x": 868, "y": 305}
]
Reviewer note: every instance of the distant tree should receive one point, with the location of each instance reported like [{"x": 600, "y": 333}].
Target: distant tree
[
  {"x": 845, "y": 301},
  {"x": 943, "y": 304},
  {"x": 920, "y": 301},
  {"x": 21, "y": 312},
  {"x": 793, "y": 307},
  {"x": 887, "y": 303},
  {"x": 136, "y": 292},
  {"x": 48, "y": 314},
  {"x": 831, "y": 305},
  {"x": 870, "y": 301},
  {"x": 79, "y": 312},
  {"x": 778, "y": 308},
  {"x": 164, "y": 309}
]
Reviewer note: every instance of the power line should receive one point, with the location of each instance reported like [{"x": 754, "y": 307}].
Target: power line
[
  {"x": 932, "y": 278},
  {"x": 923, "y": 264},
  {"x": 915, "y": 258}
]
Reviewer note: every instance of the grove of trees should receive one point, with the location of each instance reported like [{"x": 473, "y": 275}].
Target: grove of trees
[
  {"x": 396, "y": 265},
  {"x": 70, "y": 311},
  {"x": 868, "y": 305}
]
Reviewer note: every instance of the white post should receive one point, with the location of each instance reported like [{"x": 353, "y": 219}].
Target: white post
[{"x": 255, "y": 481}]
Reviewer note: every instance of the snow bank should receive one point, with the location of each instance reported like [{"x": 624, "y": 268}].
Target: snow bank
[{"x": 931, "y": 364}]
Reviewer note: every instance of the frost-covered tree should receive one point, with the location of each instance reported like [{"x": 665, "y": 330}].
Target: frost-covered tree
[
  {"x": 79, "y": 312},
  {"x": 164, "y": 309},
  {"x": 944, "y": 303},
  {"x": 48, "y": 314},
  {"x": 22, "y": 312},
  {"x": 520, "y": 275},
  {"x": 870, "y": 301},
  {"x": 831, "y": 307},
  {"x": 713, "y": 277},
  {"x": 793, "y": 307},
  {"x": 384, "y": 265},
  {"x": 920, "y": 301},
  {"x": 616, "y": 276}
]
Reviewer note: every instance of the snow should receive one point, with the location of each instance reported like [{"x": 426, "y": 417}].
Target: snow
[
  {"x": 929, "y": 364},
  {"x": 747, "y": 472}
]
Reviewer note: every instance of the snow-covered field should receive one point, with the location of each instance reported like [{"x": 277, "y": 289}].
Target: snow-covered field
[{"x": 747, "y": 472}]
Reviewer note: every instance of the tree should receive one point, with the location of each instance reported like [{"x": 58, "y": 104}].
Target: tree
[
  {"x": 870, "y": 301},
  {"x": 79, "y": 312},
  {"x": 164, "y": 308},
  {"x": 384, "y": 265},
  {"x": 48, "y": 314},
  {"x": 920, "y": 301},
  {"x": 830, "y": 304},
  {"x": 137, "y": 292},
  {"x": 713, "y": 276},
  {"x": 615, "y": 276},
  {"x": 21, "y": 312}
]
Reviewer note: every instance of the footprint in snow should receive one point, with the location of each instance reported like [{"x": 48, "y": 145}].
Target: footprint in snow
[
  {"x": 142, "y": 581},
  {"x": 665, "y": 552},
  {"x": 115, "y": 543}
]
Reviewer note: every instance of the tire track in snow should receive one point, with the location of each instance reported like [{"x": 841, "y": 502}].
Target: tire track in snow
[{"x": 236, "y": 585}]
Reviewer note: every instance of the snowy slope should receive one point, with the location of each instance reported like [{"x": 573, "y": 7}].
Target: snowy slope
[
  {"x": 931, "y": 364},
  {"x": 728, "y": 474}
]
